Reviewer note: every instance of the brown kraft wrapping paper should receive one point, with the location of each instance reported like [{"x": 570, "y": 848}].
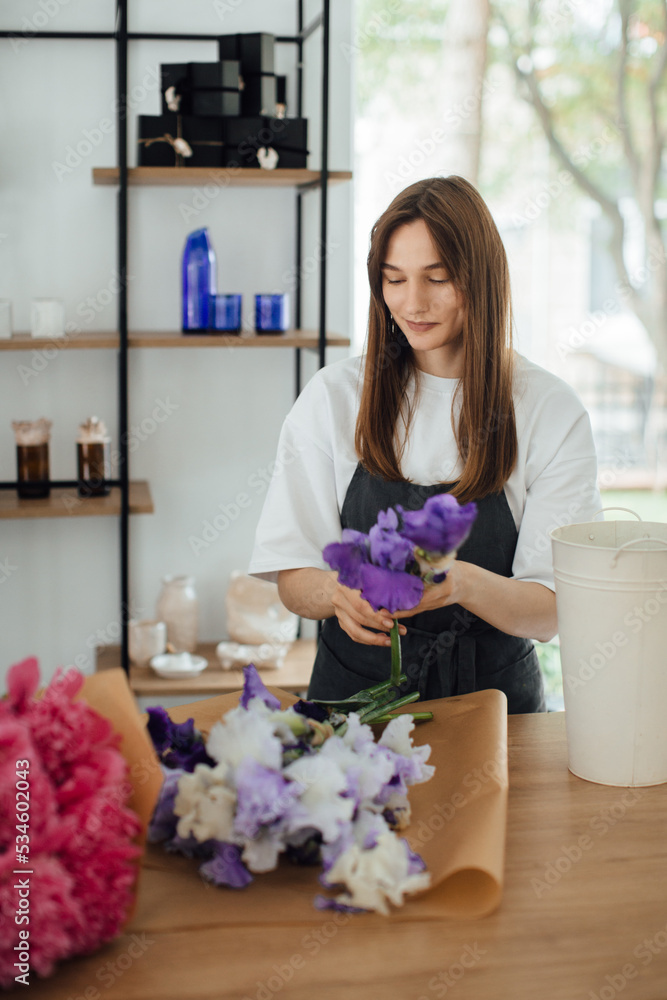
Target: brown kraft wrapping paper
[
  {"x": 458, "y": 826},
  {"x": 109, "y": 694}
]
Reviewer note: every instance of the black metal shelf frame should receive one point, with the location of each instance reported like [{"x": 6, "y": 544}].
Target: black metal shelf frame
[{"x": 122, "y": 37}]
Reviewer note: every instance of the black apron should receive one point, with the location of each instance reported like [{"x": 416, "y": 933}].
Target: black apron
[{"x": 448, "y": 651}]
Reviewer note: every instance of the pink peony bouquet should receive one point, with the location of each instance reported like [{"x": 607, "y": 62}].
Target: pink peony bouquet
[{"x": 68, "y": 860}]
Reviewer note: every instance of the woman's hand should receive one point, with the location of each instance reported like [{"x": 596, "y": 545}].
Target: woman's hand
[
  {"x": 356, "y": 617},
  {"x": 439, "y": 595}
]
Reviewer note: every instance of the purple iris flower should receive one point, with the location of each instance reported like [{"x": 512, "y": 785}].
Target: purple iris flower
[
  {"x": 253, "y": 687},
  {"x": 386, "y": 588},
  {"x": 442, "y": 525},
  {"x": 226, "y": 867},
  {"x": 163, "y": 822},
  {"x": 327, "y": 903},
  {"x": 387, "y": 520},
  {"x": 348, "y": 556},
  {"x": 264, "y": 796},
  {"x": 388, "y": 548},
  {"x": 307, "y": 853},
  {"x": 189, "y": 847},
  {"x": 415, "y": 861},
  {"x": 311, "y": 710},
  {"x": 178, "y": 744}
]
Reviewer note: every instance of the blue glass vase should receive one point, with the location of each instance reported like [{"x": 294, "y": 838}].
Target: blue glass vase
[{"x": 199, "y": 281}]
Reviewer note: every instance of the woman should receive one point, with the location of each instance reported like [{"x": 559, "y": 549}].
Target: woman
[{"x": 440, "y": 402}]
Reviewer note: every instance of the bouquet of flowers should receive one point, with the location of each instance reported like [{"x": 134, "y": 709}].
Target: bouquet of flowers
[
  {"x": 299, "y": 781},
  {"x": 67, "y": 857},
  {"x": 402, "y": 553}
]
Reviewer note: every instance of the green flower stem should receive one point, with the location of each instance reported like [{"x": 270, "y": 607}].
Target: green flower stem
[
  {"x": 417, "y": 716},
  {"x": 380, "y": 704},
  {"x": 395, "y": 654},
  {"x": 386, "y": 709},
  {"x": 362, "y": 700}
]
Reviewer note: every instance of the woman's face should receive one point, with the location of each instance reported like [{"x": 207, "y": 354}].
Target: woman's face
[{"x": 423, "y": 300}]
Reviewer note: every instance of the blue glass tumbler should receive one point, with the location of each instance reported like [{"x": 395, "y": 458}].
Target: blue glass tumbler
[
  {"x": 225, "y": 312},
  {"x": 272, "y": 313},
  {"x": 199, "y": 281}
]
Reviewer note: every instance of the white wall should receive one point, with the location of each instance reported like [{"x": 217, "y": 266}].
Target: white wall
[{"x": 58, "y": 239}]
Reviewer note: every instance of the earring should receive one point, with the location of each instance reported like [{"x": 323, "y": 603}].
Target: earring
[{"x": 393, "y": 328}]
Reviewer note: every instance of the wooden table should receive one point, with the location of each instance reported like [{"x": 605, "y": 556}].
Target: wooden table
[
  {"x": 583, "y": 915},
  {"x": 293, "y": 675}
]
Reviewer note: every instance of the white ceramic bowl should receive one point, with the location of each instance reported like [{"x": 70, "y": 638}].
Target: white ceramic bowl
[{"x": 178, "y": 666}]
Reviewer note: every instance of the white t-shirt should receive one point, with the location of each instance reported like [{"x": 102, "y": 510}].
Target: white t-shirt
[{"x": 553, "y": 482}]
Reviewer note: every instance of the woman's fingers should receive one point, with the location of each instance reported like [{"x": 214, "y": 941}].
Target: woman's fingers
[
  {"x": 356, "y": 617},
  {"x": 361, "y": 634}
]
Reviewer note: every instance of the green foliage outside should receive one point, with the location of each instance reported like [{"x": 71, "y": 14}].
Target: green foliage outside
[{"x": 548, "y": 653}]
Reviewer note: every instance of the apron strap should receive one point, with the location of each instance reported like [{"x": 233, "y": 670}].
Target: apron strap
[
  {"x": 466, "y": 679},
  {"x": 438, "y": 664}
]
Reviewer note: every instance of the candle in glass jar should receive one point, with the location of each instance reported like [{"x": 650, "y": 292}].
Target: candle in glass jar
[
  {"x": 32, "y": 457},
  {"x": 93, "y": 458}
]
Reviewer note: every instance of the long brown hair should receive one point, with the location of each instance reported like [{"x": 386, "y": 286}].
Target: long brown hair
[{"x": 470, "y": 247}]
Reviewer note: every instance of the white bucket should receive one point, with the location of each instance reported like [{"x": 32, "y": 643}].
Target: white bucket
[{"x": 611, "y": 595}]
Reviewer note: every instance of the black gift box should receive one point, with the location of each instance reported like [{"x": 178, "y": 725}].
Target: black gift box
[
  {"x": 172, "y": 75},
  {"x": 216, "y": 75},
  {"x": 203, "y": 88},
  {"x": 215, "y": 88},
  {"x": 254, "y": 51},
  {"x": 258, "y": 97},
  {"x": 281, "y": 96},
  {"x": 158, "y": 135},
  {"x": 244, "y": 136}
]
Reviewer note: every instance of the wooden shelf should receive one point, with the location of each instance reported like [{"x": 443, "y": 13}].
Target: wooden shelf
[
  {"x": 66, "y": 503},
  {"x": 93, "y": 338},
  {"x": 221, "y": 176},
  {"x": 174, "y": 338},
  {"x": 294, "y": 675},
  {"x": 291, "y": 338}
]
